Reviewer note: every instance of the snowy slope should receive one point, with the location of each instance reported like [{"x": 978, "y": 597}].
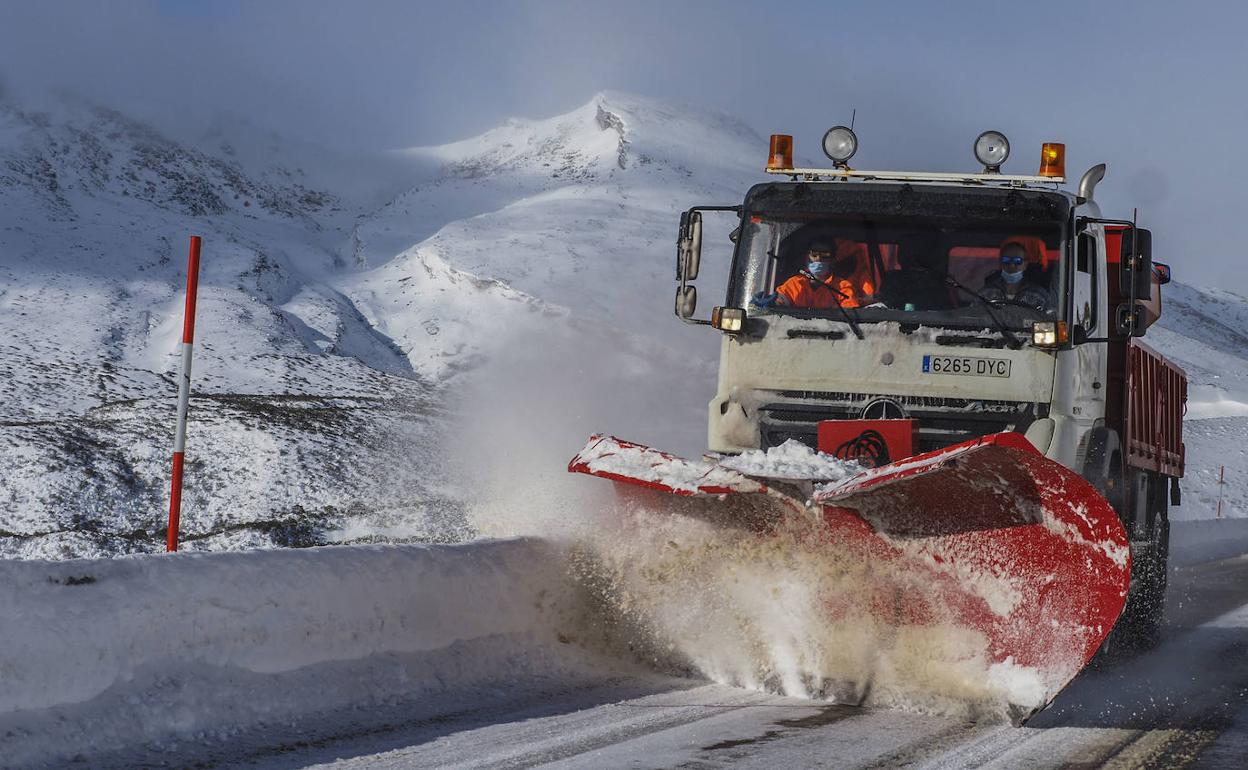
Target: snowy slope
[
  {"x": 579, "y": 210},
  {"x": 96, "y": 212},
  {"x": 1206, "y": 332}
]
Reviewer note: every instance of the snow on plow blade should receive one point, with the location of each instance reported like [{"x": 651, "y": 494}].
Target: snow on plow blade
[{"x": 987, "y": 541}]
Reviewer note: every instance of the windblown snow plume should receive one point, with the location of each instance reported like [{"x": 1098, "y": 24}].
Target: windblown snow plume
[{"x": 785, "y": 612}]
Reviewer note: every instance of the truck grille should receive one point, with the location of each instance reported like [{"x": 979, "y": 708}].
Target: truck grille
[{"x": 942, "y": 421}]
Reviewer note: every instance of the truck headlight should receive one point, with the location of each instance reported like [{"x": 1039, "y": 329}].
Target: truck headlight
[
  {"x": 1049, "y": 334},
  {"x": 728, "y": 319},
  {"x": 991, "y": 149},
  {"x": 840, "y": 143}
]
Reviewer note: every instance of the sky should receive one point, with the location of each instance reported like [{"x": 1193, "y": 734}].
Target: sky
[{"x": 1154, "y": 90}]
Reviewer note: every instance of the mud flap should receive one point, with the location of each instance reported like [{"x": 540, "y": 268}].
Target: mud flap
[{"x": 989, "y": 541}]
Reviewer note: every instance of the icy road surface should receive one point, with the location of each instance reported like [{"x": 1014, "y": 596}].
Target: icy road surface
[{"x": 1182, "y": 705}]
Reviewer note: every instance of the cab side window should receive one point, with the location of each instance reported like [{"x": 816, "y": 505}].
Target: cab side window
[{"x": 1083, "y": 296}]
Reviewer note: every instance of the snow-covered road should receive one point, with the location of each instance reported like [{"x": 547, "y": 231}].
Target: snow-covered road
[{"x": 1184, "y": 704}]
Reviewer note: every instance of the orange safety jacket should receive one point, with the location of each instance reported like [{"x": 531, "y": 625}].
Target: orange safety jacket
[{"x": 802, "y": 290}]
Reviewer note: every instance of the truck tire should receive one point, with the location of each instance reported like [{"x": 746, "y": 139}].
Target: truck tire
[
  {"x": 1156, "y": 579},
  {"x": 1140, "y": 625}
]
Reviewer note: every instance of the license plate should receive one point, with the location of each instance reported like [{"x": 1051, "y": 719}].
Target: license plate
[{"x": 973, "y": 366}]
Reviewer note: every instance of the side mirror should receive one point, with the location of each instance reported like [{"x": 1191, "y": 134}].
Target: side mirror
[
  {"x": 1130, "y": 320},
  {"x": 1136, "y": 265},
  {"x": 1161, "y": 271},
  {"x": 686, "y": 301},
  {"x": 689, "y": 246}
]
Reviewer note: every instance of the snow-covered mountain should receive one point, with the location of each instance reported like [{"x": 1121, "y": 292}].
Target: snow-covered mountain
[
  {"x": 578, "y": 210},
  {"x": 328, "y": 328},
  {"x": 364, "y": 322}
]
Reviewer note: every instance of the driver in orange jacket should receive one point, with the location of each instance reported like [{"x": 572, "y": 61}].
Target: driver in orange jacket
[{"x": 832, "y": 276}]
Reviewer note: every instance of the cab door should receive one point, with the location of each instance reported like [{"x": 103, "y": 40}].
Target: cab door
[
  {"x": 1088, "y": 312},
  {"x": 1080, "y": 387}
]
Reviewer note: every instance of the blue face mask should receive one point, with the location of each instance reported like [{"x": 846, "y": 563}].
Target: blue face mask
[
  {"x": 1012, "y": 278},
  {"x": 819, "y": 270}
]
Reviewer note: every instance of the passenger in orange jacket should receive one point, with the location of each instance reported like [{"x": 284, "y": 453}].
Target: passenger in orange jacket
[{"x": 832, "y": 276}]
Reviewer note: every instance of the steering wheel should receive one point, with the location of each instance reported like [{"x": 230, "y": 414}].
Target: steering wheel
[{"x": 1016, "y": 302}]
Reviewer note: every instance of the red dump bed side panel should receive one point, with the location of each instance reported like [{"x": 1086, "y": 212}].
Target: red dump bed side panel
[{"x": 1156, "y": 402}]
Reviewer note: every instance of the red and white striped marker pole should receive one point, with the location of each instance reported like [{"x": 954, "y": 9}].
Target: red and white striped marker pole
[{"x": 184, "y": 394}]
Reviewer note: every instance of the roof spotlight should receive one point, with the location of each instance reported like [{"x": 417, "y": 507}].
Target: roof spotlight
[
  {"x": 991, "y": 149},
  {"x": 840, "y": 144}
]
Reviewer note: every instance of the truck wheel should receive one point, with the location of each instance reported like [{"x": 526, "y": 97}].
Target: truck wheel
[
  {"x": 1143, "y": 617},
  {"x": 1157, "y": 577},
  {"x": 1139, "y": 627},
  {"x": 1151, "y": 606}
]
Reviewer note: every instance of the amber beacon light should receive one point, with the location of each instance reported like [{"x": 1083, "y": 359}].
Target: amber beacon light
[
  {"x": 1053, "y": 159},
  {"x": 781, "y": 155}
]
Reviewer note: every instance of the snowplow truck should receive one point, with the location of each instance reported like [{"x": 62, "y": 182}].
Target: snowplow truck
[{"x": 1018, "y": 450}]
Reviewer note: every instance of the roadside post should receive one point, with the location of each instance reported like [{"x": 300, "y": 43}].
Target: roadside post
[
  {"x": 1221, "y": 486},
  {"x": 184, "y": 394}
]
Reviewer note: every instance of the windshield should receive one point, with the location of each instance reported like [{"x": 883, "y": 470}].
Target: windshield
[{"x": 937, "y": 271}]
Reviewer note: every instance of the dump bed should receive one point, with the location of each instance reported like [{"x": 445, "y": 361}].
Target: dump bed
[{"x": 1156, "y": 401}]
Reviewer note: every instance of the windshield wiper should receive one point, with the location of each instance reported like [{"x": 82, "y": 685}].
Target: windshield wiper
[
  {"x": 838, "y": 296},
  {"x": 1013, "y": 341}
]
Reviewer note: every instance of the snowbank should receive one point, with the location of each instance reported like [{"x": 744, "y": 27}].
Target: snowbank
[
  {"x": 210, "y": 641},
  {"x": 74, "y": 628},
  {"x": 1192, "y": 542}
]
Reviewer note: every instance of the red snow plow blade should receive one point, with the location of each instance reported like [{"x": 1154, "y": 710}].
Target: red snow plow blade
[{"x": 988, "y": 541}]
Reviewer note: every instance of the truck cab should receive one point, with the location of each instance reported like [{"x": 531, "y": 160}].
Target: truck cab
[{"x": 922, "y": 347}]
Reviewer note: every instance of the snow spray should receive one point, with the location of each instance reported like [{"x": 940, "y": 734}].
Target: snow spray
[
  {"x": 184, "y": 394},
  {"x": 782, "y": 612}
]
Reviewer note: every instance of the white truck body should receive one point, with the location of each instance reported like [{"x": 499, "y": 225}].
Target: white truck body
[{"x": 1054, "y": 396}]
